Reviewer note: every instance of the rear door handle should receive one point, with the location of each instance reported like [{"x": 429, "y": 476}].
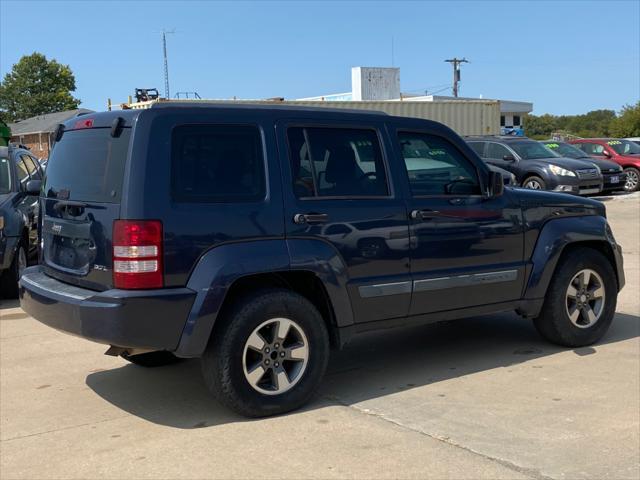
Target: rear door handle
[
  {"x": 424, "y": 214},
  {"x": 310, "y": 218}
]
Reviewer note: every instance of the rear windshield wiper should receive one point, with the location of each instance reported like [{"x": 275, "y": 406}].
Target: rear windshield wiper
[{"x": 68, "y": 203}]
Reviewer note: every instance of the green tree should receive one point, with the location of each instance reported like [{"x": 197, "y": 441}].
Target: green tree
[
  {"x": 36, "y": 86},
  {"x": 628, "y": 122},
  {"x": 540, "y": 126}
]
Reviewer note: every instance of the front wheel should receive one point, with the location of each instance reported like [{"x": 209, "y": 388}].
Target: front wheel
[
  {"x": 633, "y": 179},
  {"x": 534, "y": 183},
  {"x": 581, "y": 300},
  {"x": 268, "y": 355}
]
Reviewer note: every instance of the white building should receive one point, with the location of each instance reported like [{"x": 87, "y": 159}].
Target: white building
[{"x": 383, "y": 84}]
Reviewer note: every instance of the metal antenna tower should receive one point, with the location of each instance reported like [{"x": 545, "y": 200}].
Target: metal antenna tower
[{"x": 166, "y": 64}]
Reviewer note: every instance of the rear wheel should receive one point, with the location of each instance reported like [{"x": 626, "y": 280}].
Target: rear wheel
[
  {"x": 10, "y": 278},
  {"x": 633, "y": 179},
  {"x": 152, "y": 359},
  {"x": 268, "y": 355},
  {"x": 534, "y": 183},
  {"x": 581, "y": 300}
]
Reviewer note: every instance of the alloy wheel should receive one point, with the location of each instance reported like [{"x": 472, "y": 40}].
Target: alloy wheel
[
  {"x": 585, "y": 298},
  {"x": 275, "y": 356},
  {"x": 632, "y": 181}
]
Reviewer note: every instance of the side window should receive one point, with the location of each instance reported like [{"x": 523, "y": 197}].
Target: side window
[
  {"x": 336, "y": 162},
  {"x": 477, "y": 147},
  {"x": 581, "y": 146},
  {"x": 34, "y": 173},
  {"x": 497, "y": 151},
  {"x": 22, "y": 172},
  {"x": 436, "y": 167},
  {"x": 592, "y": 148},
  {"x": 217, "y": 164}
]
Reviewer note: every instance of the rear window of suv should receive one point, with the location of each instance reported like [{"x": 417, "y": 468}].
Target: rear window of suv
[
  {"x": 88, "y": 165},
  {"x": 217, "y": 164}
]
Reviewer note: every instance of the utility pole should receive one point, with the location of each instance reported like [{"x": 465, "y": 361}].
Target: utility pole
[
  {"x": 166, "y": 65},
  {"x": 456, "y": 72}
]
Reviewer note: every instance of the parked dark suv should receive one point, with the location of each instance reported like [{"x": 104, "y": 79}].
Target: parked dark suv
[
  {"x": 20, "y": 179},
  {"x": 538, "y": 167},
  {"x": 257, "y": 237}
]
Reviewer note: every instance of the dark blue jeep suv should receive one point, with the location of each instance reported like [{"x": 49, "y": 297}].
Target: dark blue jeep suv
[{"x": 258, "y": 237}]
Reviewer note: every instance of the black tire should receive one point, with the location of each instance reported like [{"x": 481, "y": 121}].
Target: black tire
[
  {"x": 10, "y": 277},
  {"x": 533, "y": 178},
  {"x": 152, "y": 359},
  {"x": 553, "y": 323},
  {"x": 636, "y": 175},
  {"x": 222, "y": 362}
]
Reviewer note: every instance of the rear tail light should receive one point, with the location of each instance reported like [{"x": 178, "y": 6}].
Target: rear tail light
[{"x": 137, "y": 254}]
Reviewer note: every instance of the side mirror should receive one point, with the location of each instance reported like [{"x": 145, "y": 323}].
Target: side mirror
[
  {"x": 606, "y": 154},
  {"x": 496, "y": 184},
  {"x": 509, "y": 158},
  {"x": 33, "y": 187}
]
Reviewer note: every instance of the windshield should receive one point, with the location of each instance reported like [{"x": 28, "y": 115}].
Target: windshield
[
  {"x": 532, "y": 150},
  {"x": 5, "y": 176},
  {"x": 624, "y": 147},
  {"x": 566, "y": 150}
]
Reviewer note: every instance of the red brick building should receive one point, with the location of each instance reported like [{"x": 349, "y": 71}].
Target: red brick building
[{"x": 36, "y": 132}]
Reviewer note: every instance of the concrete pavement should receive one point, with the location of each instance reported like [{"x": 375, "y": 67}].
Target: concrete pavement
[{"x": 477, "y": 398}]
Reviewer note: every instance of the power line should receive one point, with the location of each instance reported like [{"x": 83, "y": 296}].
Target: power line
[
  {"x": 456, "y": 72},
  {"x": 438, "y": 91}
]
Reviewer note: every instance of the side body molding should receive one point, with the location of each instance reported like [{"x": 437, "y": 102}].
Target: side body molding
[
  {"x": 554, "y": 236},
  {"x": 216, "y": 271}
]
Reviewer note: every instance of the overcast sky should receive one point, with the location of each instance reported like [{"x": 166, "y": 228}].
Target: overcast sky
[{"x": 565, "y": 57}]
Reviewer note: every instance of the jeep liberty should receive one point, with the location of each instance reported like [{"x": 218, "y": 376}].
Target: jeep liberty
[{"x": 257, "y": 238}]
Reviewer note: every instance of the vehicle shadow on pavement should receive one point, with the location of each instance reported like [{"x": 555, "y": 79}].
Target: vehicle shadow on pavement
[{"x": 373, "y": 365}]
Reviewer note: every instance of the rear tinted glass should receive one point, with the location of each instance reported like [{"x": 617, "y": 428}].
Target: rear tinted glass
[
  {"x": 217, "y": 164},
  {"x": 88, "y": 165}
]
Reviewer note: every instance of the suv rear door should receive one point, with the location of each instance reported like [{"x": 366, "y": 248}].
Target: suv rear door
[
  {"x": 82, "y": 193},
  {"x": 338, "y": 189}
]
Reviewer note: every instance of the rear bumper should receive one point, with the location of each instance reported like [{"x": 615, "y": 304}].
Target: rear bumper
[{"x": 144, "y": 319}]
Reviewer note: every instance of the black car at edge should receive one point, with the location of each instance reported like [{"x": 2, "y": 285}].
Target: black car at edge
[
  {"x": 257, "y": 238},
  {"x": 20, "y": 179},
  {"x": 537, "y": 167}
]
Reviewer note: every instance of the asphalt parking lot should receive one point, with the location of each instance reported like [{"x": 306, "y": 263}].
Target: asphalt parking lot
[{"x": 478, "y": 398}]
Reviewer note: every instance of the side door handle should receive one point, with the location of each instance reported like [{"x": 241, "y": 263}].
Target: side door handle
[
  {"x": 424, "y": 214},
  {"x": 310, "y": 218}
]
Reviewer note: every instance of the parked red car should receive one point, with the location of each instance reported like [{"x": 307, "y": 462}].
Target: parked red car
[{"x": 624, "y": 152}]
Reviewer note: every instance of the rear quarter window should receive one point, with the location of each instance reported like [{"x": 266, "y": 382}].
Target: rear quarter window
[{"x": 217, "y": 164}]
